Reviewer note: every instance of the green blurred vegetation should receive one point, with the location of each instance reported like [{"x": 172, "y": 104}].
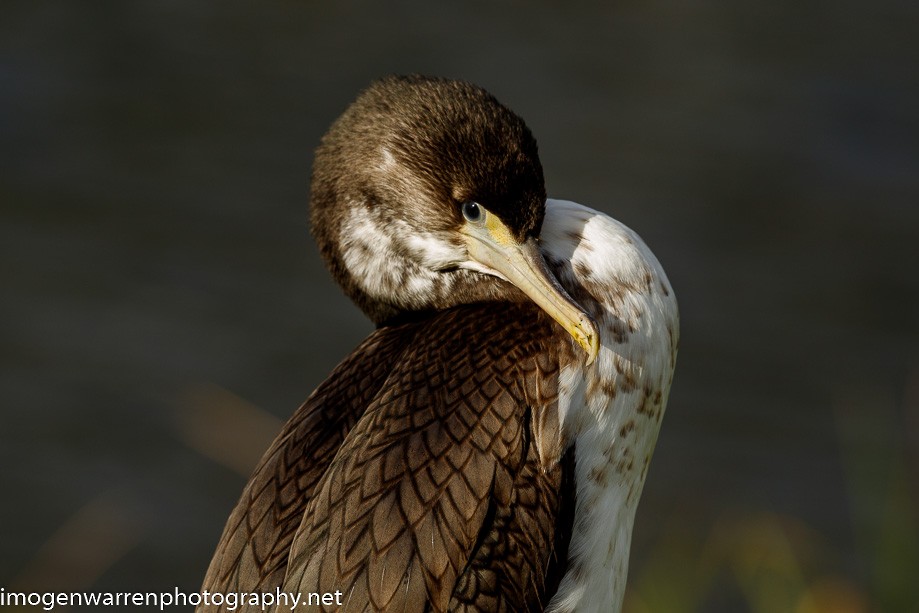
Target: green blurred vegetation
[{"x": 776, "y": 563}]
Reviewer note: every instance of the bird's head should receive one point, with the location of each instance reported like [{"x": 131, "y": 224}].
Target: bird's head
[{"x": 428, "y": 193}]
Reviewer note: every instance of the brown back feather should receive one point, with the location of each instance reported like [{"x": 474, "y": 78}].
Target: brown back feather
[
  {"x": 252, "y": 553},
  {"x": 438, "y": 498}
]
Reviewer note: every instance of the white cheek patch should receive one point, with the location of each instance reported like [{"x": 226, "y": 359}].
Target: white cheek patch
[
  {"x": 432, "y": 251},
  {"x": 366, "y": 252},
  {"x": 392, "y": 262}
]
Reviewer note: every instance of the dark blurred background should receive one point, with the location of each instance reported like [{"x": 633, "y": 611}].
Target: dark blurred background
[{"x": 164, "y": 308}]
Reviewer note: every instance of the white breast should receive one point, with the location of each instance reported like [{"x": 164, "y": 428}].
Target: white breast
[{"x": 611, "y": 411}]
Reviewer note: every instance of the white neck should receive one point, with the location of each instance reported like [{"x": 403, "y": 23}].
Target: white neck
[{"x": 612, "y": 410}]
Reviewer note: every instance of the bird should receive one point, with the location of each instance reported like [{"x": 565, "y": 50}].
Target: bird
[{"x": 485, "y": 447}]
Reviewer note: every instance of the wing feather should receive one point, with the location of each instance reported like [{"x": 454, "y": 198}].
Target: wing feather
[
  {"x": 423, "y": 475},
  {"x": 253, "y": 551},
  {"x": 423, "y": 495}
]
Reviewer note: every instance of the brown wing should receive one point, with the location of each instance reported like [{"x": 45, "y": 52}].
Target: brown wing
[
  {"x": 446, "y": 492},
  {"x": 253, "y": 551}
]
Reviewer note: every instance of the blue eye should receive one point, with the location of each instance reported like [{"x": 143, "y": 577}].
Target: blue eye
[{"x": 472, "y": 211}]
